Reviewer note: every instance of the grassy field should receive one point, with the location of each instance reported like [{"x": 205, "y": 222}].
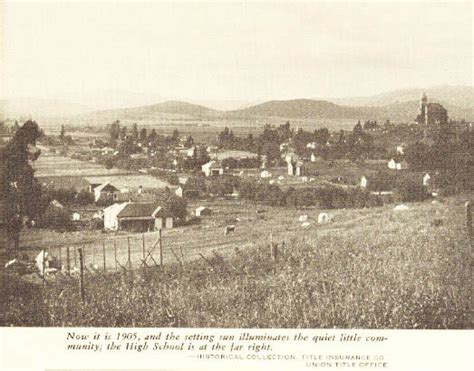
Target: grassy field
[
  {"x": 50, "y": 164},
  {"x": 370, "y": 268}
]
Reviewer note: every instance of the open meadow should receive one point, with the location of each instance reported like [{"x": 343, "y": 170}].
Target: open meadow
[{"x": 369, "y": 268}]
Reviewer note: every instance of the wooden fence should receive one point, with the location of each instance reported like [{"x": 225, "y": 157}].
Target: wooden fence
[{"x": 109, "y": 255}]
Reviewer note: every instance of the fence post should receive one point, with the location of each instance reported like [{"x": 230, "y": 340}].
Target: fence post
[
  {"x": 129, "y": 254},
  {"x": 81, "y": 280},
  {"x": 469, "y": 220},
  {"x": 68, "y": 256},
  {"x": 103, "y": 255},
  {"x": 43, "y": 267},
  {"x": 93, "y": 255},
  {"x": 161, "y": 247},
  {"x": 115, "y": 255},
  {"x": 143, "y": 245},
  {"x": 273, "y": 248}
]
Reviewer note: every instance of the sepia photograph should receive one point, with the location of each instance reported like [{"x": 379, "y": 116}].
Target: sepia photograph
[{"x": 236, "y": 165}]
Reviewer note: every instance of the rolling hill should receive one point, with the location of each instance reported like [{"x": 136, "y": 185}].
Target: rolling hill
[
  {"x": 317, "y": 109},
  {"x": 398, "y": 105},
  {"x": 154, "y": 111},
  {"x": 462, "y": 96}
]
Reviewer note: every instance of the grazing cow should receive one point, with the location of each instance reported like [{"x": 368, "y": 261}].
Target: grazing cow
[{"x": 228, "y": 229}]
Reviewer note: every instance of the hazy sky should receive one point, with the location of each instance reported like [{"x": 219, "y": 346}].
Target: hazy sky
[{"x": 232, "y": 51}]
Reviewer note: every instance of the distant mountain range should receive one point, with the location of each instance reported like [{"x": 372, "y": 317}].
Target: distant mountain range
[
  {"x": 318, "y": 109},
  {"x": 462, "y": 96},
  {"x": 399, "y": 105}
]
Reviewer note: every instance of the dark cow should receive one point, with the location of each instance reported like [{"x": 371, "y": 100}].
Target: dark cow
[{"x": 228, "y": 229}]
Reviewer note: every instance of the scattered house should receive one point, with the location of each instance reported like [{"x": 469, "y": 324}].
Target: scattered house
[
  {"x": 76, "y": 217},
  {"x": 392, "y": 164},
  {"x": 212, "y": 168},
  {"x": 186, "y": 193},
  {"x": 56, "y": 204},
  {"x": 105, "y": 192},
  {"x": 191, "y": 151},
  {"x": 363, "y": 182},
  {"x": 305, "y": 225},
  {"x": 296, "y": 168},
  {"x": 397, "y": 164},
  {"x": 311, "y": 145},
  {"x": 107, "y": 150},
  {"x": 265, "y": 174},
  {"x": 284, "y": 147},
  {"x": 211, "y": 149},
  {"x": 304, "y": 179},
  {"x": 313, "y": 157},
  {"x": 271, "y": 181},
  {"x": 203, "y": 211},
  {"x": 281, "y": 177},
  {"x": 401, "y": 149},
  {"x": 136, "y": 217},
  {"x": 291, "y": 157},
  {"x": 98, "y": 215},
  {"x": 183, "y": 179},
  {"x": 303, "y": 218},
  {"x": 179, "y": 191},
  {"x": 426, "y": 180}
]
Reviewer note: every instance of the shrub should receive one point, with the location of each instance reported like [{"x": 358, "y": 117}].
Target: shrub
[
  {"x": 85, "y": 198},
  {"x": 57, "y": 218}
]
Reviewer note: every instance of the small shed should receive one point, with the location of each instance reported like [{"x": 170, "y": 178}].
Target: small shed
[
  {"x": 76, "y": 217},
  {"x": 203, "y": 211},
  {"x": 105, "y": 192},
  {"x": 136, "y": 217},
  {"x": 212, "y": 168},
  {"x": 363, "y": 182}
]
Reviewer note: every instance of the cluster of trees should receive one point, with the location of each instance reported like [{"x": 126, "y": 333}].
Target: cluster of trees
[
  {"x": 217, "y": 186},
  {"x": 446, "y": 153},
  {"x": 194, "y": 163},
  {"x": 408, "y": 186},
  {"x": 68, "y": 196},
  {"x": 241, "y": 163},
  {"x": 323, "y": 196},
  {"x": 131, "y": 141},
  {"x": 356, "y": 145},
  {"x": 5, "y": 129}
]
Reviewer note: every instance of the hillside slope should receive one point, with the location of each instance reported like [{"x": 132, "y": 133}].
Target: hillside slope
[
  {"x": 316, "y": 109},
  {"x": 461, "y": 96},
  {"x": 165, "y": 109}
]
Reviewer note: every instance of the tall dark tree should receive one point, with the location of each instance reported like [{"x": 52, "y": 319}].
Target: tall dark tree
[
  {"x": 134, "y": 133},
  {"x": 62, "y": 133},
  {"x": 175, "y": 136},
  {"x": 152, "y": 137},
  {"x": 114, "y": 133},
  {"x": 143, "y": 135},
  {"x": 20, "y": 193}
]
